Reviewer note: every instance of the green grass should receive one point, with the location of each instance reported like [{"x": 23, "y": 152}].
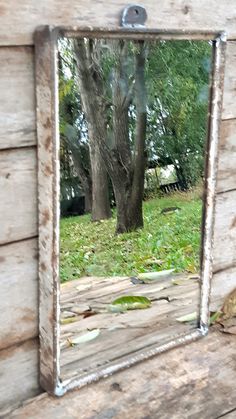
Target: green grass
[{"x": 92, "y": 248}]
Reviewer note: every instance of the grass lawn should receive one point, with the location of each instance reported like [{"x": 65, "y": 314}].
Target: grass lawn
[{"x": 166, "y": 241}]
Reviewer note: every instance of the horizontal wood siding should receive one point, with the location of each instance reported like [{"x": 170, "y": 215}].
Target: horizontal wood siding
[
  {"x": 226, "y": 180},
  {"x": 224, "y": 283},
  {"x": 18, "y": 374},
  {"x": 224, "y": 265},
  {"x": 18, "y": 196},
  {"x": 229, "y": 105},
  {"x": 225, "y": 231},
  {"x": 19, "y": 19},
  {"x": 19, "y": 353},
  {"x": 19, "y": 292},
  {"x": 18, "y": 214},
  {"x": 17, "y": 104},
  {"x": 18, "y": 180}
]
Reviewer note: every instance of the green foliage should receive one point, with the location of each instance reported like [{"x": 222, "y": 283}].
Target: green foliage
[
  {"x": 170, "y": 241},
  {"x": 177, "y": 77}
]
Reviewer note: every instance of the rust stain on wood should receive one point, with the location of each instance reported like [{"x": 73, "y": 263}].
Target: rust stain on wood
[
  {"x": 43, "y": 267},
  {"x": 48, "y": 171},
  {"x": 233, "y": 224},
  {"x": 48, "y": 124},
  {"x": 28, "y": 315},
  {"x": 45, "y": 217},
  {"x": 48, "y": 140}
]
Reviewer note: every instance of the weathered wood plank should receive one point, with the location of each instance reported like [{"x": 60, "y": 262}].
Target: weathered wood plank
[
  {"x": 222, "y": 284},
  {"x": 20, "y": 19},
  {"x": 19, "y": 292},
  {"x": 48, "y": 208},
  {"x": 230, "y": 415},
  {"x": 226, "y": 176},
  {"x": 195, "y": 381},
  {"x": 229, "y": 104},
  {"x": 19, "y": 374},
  {"x": 18, "y": 194},
  {"x": 225, "y": 232},
  {"x": 123, "y": 333},
  {"x": 125, "y": 338},
  {"x": 17, "y": 105}
]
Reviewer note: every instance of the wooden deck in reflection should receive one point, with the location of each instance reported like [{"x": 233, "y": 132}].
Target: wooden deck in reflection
[{"x": 121, "y": 333}]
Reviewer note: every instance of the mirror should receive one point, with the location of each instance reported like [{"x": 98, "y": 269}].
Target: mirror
[
  {"x": 125, "y": 121},
  {"x": 133, "y": 131}
]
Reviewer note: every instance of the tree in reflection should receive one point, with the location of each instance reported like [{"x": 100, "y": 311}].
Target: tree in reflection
[{"x": 135, "y": 102}]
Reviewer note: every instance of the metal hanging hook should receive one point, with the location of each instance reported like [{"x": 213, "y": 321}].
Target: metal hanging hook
[{"x": 134, "y": 16}]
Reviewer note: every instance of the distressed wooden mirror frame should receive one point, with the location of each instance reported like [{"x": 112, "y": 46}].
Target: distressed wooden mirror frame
[{"x": 48, "y": 197}]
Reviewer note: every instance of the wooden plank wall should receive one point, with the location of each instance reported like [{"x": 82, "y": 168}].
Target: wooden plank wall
[
  {"x": 18, "y": 228},
  {"x": 224, "y": 266},
  {"x": 18, "y": 162}
]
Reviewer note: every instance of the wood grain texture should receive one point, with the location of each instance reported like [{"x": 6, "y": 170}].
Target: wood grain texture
[
  {"x": 48, "y": 208},
  {"x": 19, "y": 292},
  {"x": 17, "y": 105},
  {"x": 225, "y": 232},
  {"x": 229, "y": 101},
  {"x": 226, "y": 177},
  {"x": 20, "y": 19},
  {"x": 18, "y": 197},
  {"x": 222, "y": 284},
  {"x": 195, "y": 381},
  {"x": 231, "y": 414},
  {"x": 122, "y": 333},
  {"x": 19, "y": 374}
]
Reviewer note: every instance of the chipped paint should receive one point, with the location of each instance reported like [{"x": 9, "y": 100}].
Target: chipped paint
[
  {"x": 219, "y": 48},
  {"x": 47, "y": 126}
]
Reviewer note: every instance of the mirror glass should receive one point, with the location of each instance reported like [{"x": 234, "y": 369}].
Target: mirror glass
[{"x": 133, "y": 129}]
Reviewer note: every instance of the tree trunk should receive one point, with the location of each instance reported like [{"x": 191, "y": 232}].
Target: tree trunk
[
  {"x": 83, "y": 173},
  {"x": 100, "y": 194},
  {"x": 126, "y": 169},
  {"x": 181, "y": 178},
  {"x": 94, "y": 112},
  {"x": 135, "y": 209},
  {"x": 87, "y": 202}
]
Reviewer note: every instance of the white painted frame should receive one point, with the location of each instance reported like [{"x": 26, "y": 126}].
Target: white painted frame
[{"x": 48, "y": 197}]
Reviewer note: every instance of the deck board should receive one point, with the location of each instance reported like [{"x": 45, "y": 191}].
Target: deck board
[
  {"x": 121, "y": 333},
  {"x": 194, "y": 381}
]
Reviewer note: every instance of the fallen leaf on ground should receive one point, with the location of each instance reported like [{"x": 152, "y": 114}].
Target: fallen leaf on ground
[
  {"x": 66, "y": 314},
  {"x": 65, "y": 344},
  {"x": 153, "y": 276},
  {"x": 191, "y": 268},
  {"x": 87, "y": 337},
  {"x": 188, "y": 318},
  {"x": 214, "y": 317},
  {"x": 80, "y": 309},
  {"x": 89, "y": 313},
  {"x": 229, "y": 306},
  {"x": 153, "y": 261},
  {"x": 180, "y": 281},
  {"x": 129, "y": 302},
  {"x": 69, "y": 320},
  {"x": 228, "y": 325}
]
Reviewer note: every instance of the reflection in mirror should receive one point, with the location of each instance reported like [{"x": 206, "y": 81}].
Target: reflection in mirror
[{"x": 133, "y": 127}]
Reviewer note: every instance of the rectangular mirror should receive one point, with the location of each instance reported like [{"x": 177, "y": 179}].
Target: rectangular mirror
[{"x": 128, "y": 129}]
